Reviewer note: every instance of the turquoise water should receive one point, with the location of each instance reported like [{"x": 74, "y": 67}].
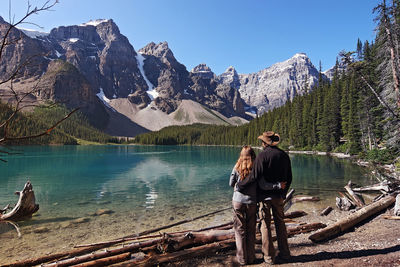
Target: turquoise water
[{"x": 143, "y": 186}]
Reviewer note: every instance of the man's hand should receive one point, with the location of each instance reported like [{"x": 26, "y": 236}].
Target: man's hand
[{"x": 283, "y": 185}]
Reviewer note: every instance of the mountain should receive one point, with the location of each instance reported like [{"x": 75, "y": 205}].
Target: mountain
[
  {"x": 126, "y": 92},
  {"x": 273, "y": 86}
]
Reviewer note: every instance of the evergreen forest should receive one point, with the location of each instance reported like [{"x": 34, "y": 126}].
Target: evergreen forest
[{"x": 69, "y": 132}]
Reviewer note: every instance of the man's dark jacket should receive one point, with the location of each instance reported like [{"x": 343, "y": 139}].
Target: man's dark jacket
[{"x": 273, "y": 165}]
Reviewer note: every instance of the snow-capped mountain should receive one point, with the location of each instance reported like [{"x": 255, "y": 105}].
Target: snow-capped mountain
[
  {"x": 273, "y": 86},
  {"x": 125, "y": 92}
]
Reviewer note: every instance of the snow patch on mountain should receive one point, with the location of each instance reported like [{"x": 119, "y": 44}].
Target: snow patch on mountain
[
  {"x": 104, "y": 99},
  {"x": 153, "y": 94},
  {"x": 94, "y": 22},
  {"x": 33, "y": 33}
]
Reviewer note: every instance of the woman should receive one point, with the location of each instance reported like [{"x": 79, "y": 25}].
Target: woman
[{"x": 245, "y": 206}]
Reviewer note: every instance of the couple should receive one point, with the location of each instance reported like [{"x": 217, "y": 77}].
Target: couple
[{"x": 265, "y": 179}]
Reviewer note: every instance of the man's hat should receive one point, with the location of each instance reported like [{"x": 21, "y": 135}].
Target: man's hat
[{"x": 270, "y": 138}]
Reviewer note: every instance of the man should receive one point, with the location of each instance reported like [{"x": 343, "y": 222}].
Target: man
[{"x": 272, "y": 165}]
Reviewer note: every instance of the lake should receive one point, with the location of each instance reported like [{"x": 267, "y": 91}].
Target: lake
[{"x": 138, "y": 188}]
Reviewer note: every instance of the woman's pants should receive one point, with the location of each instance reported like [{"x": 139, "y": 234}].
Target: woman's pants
[{"x": 244, "y": 223}]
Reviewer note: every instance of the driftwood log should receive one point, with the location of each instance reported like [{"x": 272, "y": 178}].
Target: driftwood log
[
  {"x": 106, "y": 261},
  {"x": 352, "y": 219},
  {"x": 189, "y": 253},
  {"x": 300, "y": 198},
  {"x": 376, "y": 187},
  {"x": 25, "y": 206},
  {"x": 102, "y": 254}
]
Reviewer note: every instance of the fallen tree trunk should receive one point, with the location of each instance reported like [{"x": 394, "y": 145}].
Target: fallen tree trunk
[
  {"x": 358, "y": 201},
  {"x": 205, "y": 249},
  {"x": 47, "y": 258},
  {"x": 223, "y": 226},
  {"x": 306, "y": 228},
  {"x": 171, "y": 243},
  {"x": 25, "y": 206},
  {"x": 182, "y": 255},
  {"x": 106, "y": 261},
  {"x": 103, "y": 254},
  {"x": 352, "y": 219}
]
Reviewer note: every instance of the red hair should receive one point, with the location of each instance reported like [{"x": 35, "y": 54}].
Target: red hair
[{"x": 244, "y": 165}]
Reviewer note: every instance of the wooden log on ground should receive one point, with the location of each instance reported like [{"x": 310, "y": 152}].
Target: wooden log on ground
[
  {"x": 25, "y": 206},
  {"x": 375, "y": 187},
  {"x": 389, "y": 217},
  {"x": 171, "y": 243},
  {"x": 358, "y": 201},
  {"x": 306, "y": 228},
  {"x": 352, "y": 219},
  {"x": 106, "y": 261},
  {"x": 223, "y": 226},
  {"x": 189, "y": 253},
  {"x": 397, "y": 206},
  {"x": 295, "y": 214},
  {"x": 135, "y": 236},
  {"x": 72, "y": 260},
  {"x": 326, "y": 211},
  {"x": 55, "y": 256},
  {"x": 301, "y": 198}
]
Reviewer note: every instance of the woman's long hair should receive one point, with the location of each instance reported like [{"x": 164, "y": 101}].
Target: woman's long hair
[{"x": 244, "y": 165}]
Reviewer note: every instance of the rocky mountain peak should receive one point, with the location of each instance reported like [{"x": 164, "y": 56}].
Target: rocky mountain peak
[
  {"x": 231, "y": 77},
  {"x": 273, "y": 86},
  {"x": 160, "y": 50},
  {"x": 203, "y": 71}
]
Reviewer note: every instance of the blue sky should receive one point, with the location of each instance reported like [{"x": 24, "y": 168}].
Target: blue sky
[{"x": 247, "y": 34}]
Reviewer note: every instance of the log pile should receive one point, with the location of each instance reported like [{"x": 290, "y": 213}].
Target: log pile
[
  {"x": 353, "y": 199},
  {"x": 160, "y": 248}
]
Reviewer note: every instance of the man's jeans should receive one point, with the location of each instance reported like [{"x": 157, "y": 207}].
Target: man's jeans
[{"x": 276, "y": 204}]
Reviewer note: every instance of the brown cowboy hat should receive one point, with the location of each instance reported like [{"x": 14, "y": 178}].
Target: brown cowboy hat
[{"x": 270, "y": 138}]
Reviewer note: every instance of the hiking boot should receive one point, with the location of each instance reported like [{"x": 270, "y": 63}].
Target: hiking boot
[{"x": 269, "y": 261}]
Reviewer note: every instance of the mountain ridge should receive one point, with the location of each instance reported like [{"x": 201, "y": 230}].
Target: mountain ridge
[{"x": 149, "y": 78}]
